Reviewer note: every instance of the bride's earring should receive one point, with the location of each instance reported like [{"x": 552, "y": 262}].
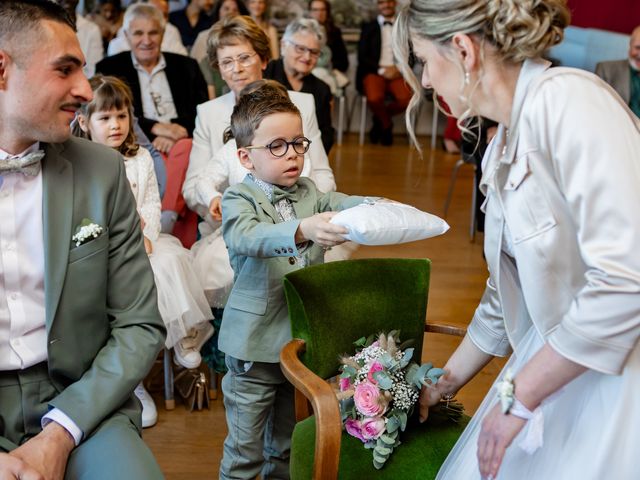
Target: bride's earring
[{"x": 465, "y": 84}]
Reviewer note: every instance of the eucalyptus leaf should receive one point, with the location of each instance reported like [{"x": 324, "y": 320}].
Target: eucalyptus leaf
[
  {"x": 386, "y": 360},
  {"x": 383, "y": 451},
  {"x": 378, "y": 458},
  {"x": 388, "y": 440},
  {"x": 406, "y": 357},
  {"x": 384, "y": 380},
  {"x": 402, "y": 417},
  {"x": 360, "y": 342},
  {"x": 377, "y": 465},
  {"x": 370, "y": 339},
  {"x": 393, "y": 423},
  {"x": 410, "y": 374}
]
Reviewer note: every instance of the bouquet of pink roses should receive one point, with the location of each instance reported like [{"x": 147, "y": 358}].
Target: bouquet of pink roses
[{"x": 379, "y": 387}]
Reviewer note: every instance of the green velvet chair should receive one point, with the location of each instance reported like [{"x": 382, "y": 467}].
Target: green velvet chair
[{"x": 331, "y": 306}]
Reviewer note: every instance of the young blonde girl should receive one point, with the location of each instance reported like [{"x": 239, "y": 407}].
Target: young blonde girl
[{"x": 181, "y": 301}]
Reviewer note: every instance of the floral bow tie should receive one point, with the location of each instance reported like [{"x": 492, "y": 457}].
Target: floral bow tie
[
  {"x": 28, "y": 165},
  {"x": 280, "y": 194}
]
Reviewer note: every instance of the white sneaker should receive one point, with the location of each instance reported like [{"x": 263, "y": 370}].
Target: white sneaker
[
  {"x": 149, "y": 412},
  {"x": 186, "y": 355}
]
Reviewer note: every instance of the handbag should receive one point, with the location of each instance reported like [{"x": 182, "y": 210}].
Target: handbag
[{"x": 193, "y": 386}]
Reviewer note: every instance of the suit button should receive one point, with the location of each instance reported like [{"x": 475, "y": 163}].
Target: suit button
[
  {"x": 292, "y": 260},
  {"x": 277, "y": 251},
  {"x": 290, "y": 250}
]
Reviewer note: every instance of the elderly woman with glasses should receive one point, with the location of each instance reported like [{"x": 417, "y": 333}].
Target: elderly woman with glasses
[
  {"x": 301, "y": 46},
  {"x": 239, "y": 49}
]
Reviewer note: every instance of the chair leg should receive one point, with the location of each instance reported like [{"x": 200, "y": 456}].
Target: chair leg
[
  {"x": 363, "y": 118},
  {"x": 169, "y": 401},
  {"x": 434, "y": 126},
  {"x": 454, "y": 174},
  {"x": 341, "y": 103}
]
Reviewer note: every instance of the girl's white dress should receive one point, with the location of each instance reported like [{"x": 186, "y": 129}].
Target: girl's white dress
[
  {"x": 561, "y": 243},
  {"x": 181, "y": 299}
]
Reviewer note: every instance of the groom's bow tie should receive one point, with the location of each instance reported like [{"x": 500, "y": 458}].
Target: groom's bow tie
[{"x": 28, "y": 165}]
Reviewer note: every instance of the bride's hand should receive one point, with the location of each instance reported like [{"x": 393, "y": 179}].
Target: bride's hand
[
  {"x": 497, "y": 433},
  {"x": 430, "y": 396}
]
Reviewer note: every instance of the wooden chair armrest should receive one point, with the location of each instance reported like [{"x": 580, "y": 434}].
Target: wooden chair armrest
[
  {"x": 325, "y": 406},
  {"x": 445, "y": 329}
]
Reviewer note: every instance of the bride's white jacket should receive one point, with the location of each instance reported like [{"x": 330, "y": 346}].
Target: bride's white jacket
[{"x": 565, "y": 181}]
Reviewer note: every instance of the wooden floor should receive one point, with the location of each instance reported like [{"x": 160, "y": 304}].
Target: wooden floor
[{"x": 189, "y": 445}]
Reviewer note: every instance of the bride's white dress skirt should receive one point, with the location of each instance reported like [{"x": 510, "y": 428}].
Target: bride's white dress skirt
[{"x": 591, "y": 429}]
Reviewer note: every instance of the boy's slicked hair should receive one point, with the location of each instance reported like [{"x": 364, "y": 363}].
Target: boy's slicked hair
[
  {"x": 20, "y": 20},
  {"x": 258, "y": 100}
]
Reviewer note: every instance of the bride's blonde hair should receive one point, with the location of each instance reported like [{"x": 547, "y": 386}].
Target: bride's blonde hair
[{"x": 516, "y": 29}]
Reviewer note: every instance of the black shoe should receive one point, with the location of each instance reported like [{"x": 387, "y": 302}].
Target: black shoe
[
  {"x": 386, "y": 137},
  {"x": 375, "y": 132}
]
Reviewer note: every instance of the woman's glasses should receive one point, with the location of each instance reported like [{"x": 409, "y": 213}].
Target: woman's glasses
[
  {"x": 301, "y": 49},
  {"x": 279, "y": 147},
  {"x": 244, "y": 60}
]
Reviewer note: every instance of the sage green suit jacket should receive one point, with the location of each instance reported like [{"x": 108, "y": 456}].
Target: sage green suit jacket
[
  {"x": 262, "y": 250},
  {"x": 103, "y": 326}
]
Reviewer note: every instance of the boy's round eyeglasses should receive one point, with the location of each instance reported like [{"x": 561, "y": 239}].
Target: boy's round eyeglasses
[
  {"x": 279, "y": 147},
  {"x": 245, "y": 60}
]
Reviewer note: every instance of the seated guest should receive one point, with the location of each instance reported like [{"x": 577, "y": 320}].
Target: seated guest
[
  {"x": 624, "y": 75},
  {"x": 258, "y": 11},
  {"x": 89, "y": 37},
  {"x": 192, "y": 20},
  {"x": 320, "y": 10},
  {"x": 240, "y": 50},
  {"x": 378, "y": 76},
  {"x": 166, "y": 87},
  {"x": 302, "y": 42},
  {"x": 222, "y": 9},
  {"x": 107, "y": 14},
  {"x": 171, "y": 41}
]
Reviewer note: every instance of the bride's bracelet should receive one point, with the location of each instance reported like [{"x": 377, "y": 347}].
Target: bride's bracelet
[{"x": 508, "y": 401}]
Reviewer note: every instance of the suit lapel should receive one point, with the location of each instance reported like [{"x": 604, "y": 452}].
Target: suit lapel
[
  {"x": 57, "y": 210},
  {"x": 262, "y": 200}
]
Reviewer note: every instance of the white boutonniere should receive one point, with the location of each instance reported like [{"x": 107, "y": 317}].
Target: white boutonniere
[{"x": 87, "y": 230}]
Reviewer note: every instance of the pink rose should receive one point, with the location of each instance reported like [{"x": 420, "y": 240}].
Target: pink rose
[
  {"x": 375, "y": 367},
  {"x": 368, "y": 401},
  {"x": 345, "y": 384},
  {"x": 353, "y": 428},
  {"x": 372, "y": 428}
]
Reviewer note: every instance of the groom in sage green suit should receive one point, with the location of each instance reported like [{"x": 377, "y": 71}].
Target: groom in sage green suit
[{"x": 79, "y": 324}]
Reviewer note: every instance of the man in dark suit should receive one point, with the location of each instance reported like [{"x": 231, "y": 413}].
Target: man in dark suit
[
  {"x": 166, "y": 87},
  {"x": 624, "y": 75},
  {"x": 377, "y": 76},
  {"x": 79, "y": 322}
]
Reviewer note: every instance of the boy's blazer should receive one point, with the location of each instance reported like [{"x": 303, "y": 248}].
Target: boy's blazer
[
  {"x": 103, "y": 325},
  {"x": 262, "y": 251}
]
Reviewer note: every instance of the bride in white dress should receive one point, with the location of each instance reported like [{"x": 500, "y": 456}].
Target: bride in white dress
[{"x": 562, "y": 180}]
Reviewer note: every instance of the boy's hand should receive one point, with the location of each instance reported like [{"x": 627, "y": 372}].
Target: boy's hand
[
  {"x": 319, "y": 230},
  {"x": 215, "y": 208}
]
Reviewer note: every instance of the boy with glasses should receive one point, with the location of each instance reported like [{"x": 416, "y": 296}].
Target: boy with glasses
[{"x": 274, "y": 222}]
